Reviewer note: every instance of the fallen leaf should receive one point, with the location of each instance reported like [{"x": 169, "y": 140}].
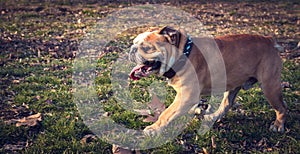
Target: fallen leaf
[
  {"x": 119, "y": 150},
  {"x": 19, "y": 109},
  {"x": 269, "y": 149},
  {"x": 262, "y": 142},
  {"x": 25, "y": 105},
  {"x": 156, "y": 107},
  {"x": 143, "y": 112},
  {"x": 15, "y": 147},
  {"x": 49, "y": 101},
  {"x": 16, "y": 81},
  {"x": 213, "y": 143},
  {"x": 30, "y": 121},
  {"x": 205, "y": 151},
  {"x": 88, "y": 138},
  {"x": 286, "y": 85},
  {"x": 106, "y": 114},
  {"x": 151, "y": 118}
]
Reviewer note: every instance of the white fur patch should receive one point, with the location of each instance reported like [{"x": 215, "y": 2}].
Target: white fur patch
[
  {"x": 163, "y": 61},
  {"x": 162, "y": 70},
  {"x": 141, "y": 37},
  {"x": 171, "y": 62}
]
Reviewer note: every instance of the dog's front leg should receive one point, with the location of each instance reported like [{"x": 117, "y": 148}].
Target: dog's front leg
[{"x": 180, "y": 106}]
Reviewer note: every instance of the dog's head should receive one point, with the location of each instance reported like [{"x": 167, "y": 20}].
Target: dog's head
[{"x": 155, "y": 51}]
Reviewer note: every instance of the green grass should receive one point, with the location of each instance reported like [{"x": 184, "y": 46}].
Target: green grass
[{"x": 43, "y": 83}]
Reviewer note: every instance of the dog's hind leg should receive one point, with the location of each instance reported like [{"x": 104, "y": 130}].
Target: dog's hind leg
[
  {"x": 227, "y": 102},
  {"x": 271, "y": 87},
  {"x": 272, "y": 91}
]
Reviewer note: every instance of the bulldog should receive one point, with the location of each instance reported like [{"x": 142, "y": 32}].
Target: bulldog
[{"x": 173, "y": 54}]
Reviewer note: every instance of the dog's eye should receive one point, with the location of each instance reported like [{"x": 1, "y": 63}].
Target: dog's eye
[
  {"x": 149, "y": 63},
  {"x": 145, "y": 48}
]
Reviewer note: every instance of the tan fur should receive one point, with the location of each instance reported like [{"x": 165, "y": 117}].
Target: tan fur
[{"x": 244, "y": 56}]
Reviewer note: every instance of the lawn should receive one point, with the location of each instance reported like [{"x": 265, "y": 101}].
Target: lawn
[{"x": 39, "y": 42}]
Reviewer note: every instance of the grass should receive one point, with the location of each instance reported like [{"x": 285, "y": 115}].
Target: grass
[{"x": 42, "y": 83}]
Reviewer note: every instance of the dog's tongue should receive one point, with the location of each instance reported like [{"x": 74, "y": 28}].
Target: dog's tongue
[{"x": 137, "y": 68}]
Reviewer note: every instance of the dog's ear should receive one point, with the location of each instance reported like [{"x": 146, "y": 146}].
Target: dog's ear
[
  {"x": 172, "y": 35},
  {"x": 151, "y": 29}
]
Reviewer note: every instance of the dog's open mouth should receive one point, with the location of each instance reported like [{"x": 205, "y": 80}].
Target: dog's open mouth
[{"x": 144, "y": 70}]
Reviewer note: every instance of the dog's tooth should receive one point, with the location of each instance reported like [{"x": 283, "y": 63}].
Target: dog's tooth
[{"x": 137, "y": 75}]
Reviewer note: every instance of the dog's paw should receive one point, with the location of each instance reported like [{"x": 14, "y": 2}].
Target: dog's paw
[
  {"x": 201, "y": 110},
  {"x": 275, "y": 127},
  {"x": 210, "y": 117},
  {"x": 148, "y": 131},
  {"x": 151, "y": 131}
]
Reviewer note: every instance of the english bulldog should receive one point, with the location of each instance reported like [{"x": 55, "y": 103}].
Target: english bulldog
[{"x": 175, "y": 55}]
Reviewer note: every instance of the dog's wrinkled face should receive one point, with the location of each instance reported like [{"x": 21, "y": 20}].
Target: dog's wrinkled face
[{"x": 154, "y": 51}]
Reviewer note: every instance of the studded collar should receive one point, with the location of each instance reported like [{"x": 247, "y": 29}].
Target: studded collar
[{"x": 182, "y": 59}]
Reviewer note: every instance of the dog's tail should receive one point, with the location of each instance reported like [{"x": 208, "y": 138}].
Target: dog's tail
[
  {"x": 273, "y": 42},
  {"x": 278, "y": 47}
]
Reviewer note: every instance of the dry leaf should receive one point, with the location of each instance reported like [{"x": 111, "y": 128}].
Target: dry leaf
[
  {"x": 15, "y": 147},
  {"x": 88, "y": 138},
  {"x": 143, "y": 112},
  {"x": 118, "y": 150},
  {"x": 157, "y": 107},
  {"x": 286, "y": 85},
  {"x": 151, "y": 118},
  {"x": 262, "y": 142},
  {"x": 16, "y": 81},
  {"x": 213, "y": 143},
  {"x": 269, "y": 149},
  {"x": 30, "y": 121},
  {"x": 205, "y": 151}
]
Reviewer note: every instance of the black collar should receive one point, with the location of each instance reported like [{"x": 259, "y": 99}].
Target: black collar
[{"x": 182, "y": 59}]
